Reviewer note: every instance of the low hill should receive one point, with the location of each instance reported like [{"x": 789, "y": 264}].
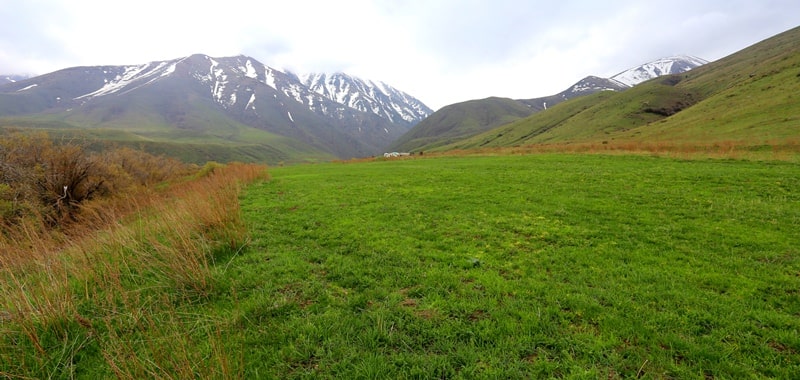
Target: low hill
[
  {"x": 747, "y": 96},
  {"x": 460, "y": 120},
  {"x": 470, "y": 118}
]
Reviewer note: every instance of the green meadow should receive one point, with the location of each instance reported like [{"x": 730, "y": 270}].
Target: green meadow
[
  {"x": 578, "y": 266},
  {"x": 515, "y": 266}
]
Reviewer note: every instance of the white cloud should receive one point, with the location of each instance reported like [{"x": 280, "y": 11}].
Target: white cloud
[{"x": 442, "y": 51}]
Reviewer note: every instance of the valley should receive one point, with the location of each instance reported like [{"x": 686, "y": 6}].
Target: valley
[{"x": 608, "y": 231}]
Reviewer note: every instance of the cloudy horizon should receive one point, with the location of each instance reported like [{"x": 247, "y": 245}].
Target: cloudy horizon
[{"x": 441, "y": 52}]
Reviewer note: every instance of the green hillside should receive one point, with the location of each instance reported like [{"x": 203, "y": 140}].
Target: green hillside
[
  {"x": 227, "y": 143},
  {"x": 748, "y": 96},
  {"x": 461, "y": 120}
]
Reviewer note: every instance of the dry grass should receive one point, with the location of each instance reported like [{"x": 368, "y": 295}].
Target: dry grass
[
  {"x": 784, "y": 150},
  {"x": 119, "y": 291}
]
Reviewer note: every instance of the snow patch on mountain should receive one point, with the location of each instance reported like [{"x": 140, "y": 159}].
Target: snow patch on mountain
[
  {"x": 250, "y": 70},
  {"x": 28, "y": 87},
  {"x": 133, "y": 77},
  {"x": 593, "y": 84},
  {"x": 664, "y": 66},
  {"x": 5, "y": 79},
  {"x": 251, "y": 102},
  {"x": 229, "y": 82},
  {"x": 367, "y": 96},
  {"x": 270, "y": 78}
]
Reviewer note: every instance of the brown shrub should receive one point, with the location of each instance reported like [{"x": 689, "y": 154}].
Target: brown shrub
[{"x": 58, "y": 184}]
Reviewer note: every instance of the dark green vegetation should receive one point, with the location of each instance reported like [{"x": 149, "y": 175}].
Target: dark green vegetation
[
  {"x": 749, "y": 96},
  {"x": 514, "y": 267}
]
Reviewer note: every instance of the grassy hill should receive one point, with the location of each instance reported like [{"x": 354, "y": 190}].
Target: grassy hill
[
  {"x": 460, "y": 120},
  {"x": 748, "y": 96}
]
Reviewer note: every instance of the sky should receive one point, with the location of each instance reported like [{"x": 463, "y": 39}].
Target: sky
[{"x": 439, "y": 51}]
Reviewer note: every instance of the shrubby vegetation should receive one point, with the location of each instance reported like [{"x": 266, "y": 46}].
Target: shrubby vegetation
[
  {"x": 48, "y": 185},
  {"x": 101, "y": 284}
]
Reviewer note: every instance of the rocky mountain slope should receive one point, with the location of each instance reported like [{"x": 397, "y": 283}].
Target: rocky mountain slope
[
  {"x": 216, "y": 97},
  {"x": 665, "y": 66},
  {"x": 368, "y": 96}
]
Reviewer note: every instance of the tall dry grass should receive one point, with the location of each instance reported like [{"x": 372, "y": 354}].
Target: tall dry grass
[
  {"x": 783, "y": 150},
  {"x": 117, "y": 302}
]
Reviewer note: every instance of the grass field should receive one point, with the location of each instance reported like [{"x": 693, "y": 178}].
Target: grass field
[
  {"x": 535, "y": 266},
  {"x": 522, "y": 266}
]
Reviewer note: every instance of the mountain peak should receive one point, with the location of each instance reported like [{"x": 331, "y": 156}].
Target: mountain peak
[
  {"x": 354, "y": 118},
  {"x": 368, "y": 96},
  {"x": 675, "y": 64}
]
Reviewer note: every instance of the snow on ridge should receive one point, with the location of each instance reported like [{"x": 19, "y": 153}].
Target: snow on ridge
[
  {"x": 659, "y": 67},
  {"x": 365, "y": 95},
  {"x": 220, "y": 79},
  {"x": 251, "y": 102},
  {"x": 151, "y": 72},
  {"x": 28, "y": 88},
  {"x": 270, "y": 78},
  {"x": 250, "y": 70},
  {"x": 119, "y": 82}
]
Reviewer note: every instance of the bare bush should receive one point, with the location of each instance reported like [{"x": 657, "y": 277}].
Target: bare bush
[{"x": 54, "y": 181}]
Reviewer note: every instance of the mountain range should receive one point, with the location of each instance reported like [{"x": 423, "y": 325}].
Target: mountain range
[
  {"x": 747, "y": 99},
  {"x": 462, "y": 120},
  {"x": 234, "y": 102},
  {"x": 201, "y": 108}
]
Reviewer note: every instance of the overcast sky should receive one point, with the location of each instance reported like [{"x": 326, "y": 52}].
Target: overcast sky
[{"x": 440, "y": 51}]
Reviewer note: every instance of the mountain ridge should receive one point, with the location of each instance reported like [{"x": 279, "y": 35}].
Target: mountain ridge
[
  {"x": 489, "y": 114},
  {"x": 238, "y": 92},
  {"x": 675, "y": 64},
  {"x": 367, "y": 96},
  {"x": 746, "y": 98}
]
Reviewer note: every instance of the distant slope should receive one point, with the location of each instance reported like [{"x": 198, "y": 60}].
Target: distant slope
[
  {"x": 432, "y": 134},
  {"x": 11, "y": 78},
  {"x": 228, "y": 100},
  {"x": 459, "y": 121},
  {"x": 749, "y": 95},
  {"x": 462, "y": 120},
  {"x": 368, "y": 96},
  {"x": 583, "y": 87}
]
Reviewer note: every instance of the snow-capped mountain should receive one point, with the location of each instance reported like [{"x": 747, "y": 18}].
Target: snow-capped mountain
[
  {"x": 459, "y": 119},
  {"x": 592, "y": 84},
  {"x": 184, "y": 92},
  {"x": 585, "y": 86},
  {"x": 620, "y": 82},
  {"x": 664, "y": 66},
  {"x": 368, "y": 96}
]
